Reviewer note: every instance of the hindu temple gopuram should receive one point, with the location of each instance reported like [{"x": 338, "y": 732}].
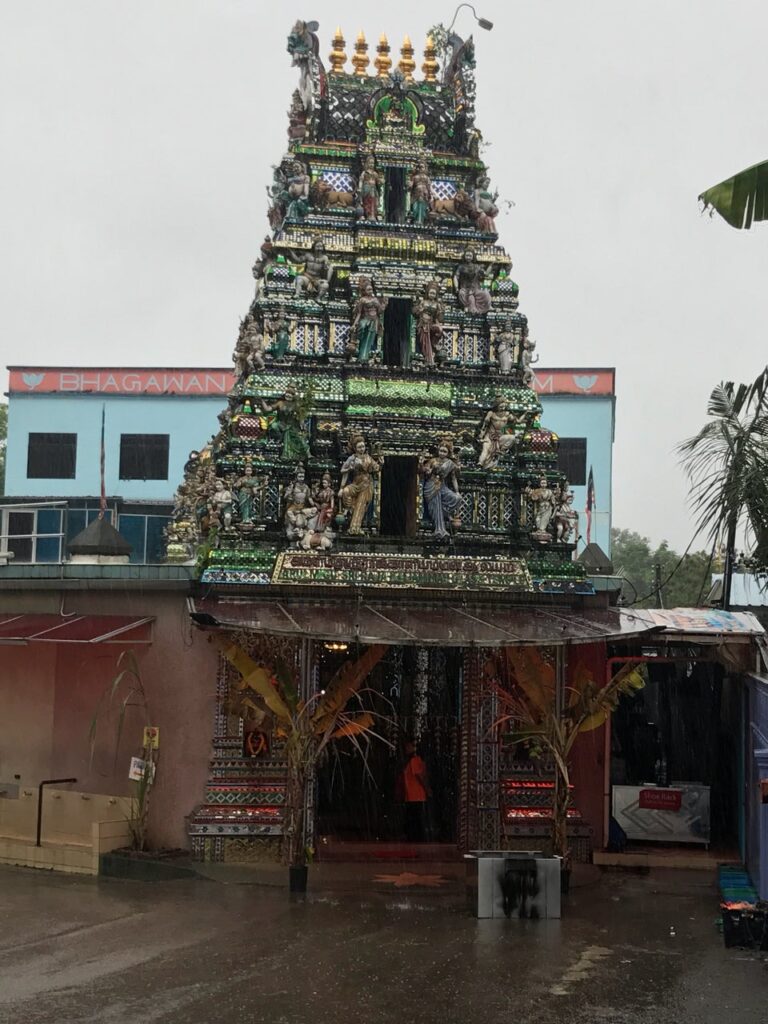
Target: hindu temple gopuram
[{"x": 381, "y": 475}]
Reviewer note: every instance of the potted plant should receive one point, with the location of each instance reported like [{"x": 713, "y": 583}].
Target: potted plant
[
  {"x": 531, "y": 714},
  {"x": 307, "y": 728}
]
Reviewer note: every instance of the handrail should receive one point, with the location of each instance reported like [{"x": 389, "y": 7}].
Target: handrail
[{"x": 45, "y": 782}]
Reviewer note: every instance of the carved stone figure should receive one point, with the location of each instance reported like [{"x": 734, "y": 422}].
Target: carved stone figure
[
  {"x": 485, "y": 206},
  {"x": 468, "y": 281},
  {"x": 317, "y": 272},
  {"x": 280, "y": 330},
  {"x": 324, "y": 499},
  {"x": 496, "y": 436},
  {"x": 322, "y": 195},
  {"x": 356, "y": 491},
  {"x": 297, "y": 498},
  {"x": 367, "y": 322},
  {"x": 263, "y": 263},
  {"x": 254, "y": 345},
  {"x": 429, "y": 325},
  {"x": 368, "y": 187},
  {"x": 542, "y": 500},
  {"x": 297, "y": 117},
  {"x": 220, "y": 505},
  {"x": 566, "y": 518},
  {"x": 287, "y": 424},
  {"x": 421, "y": 193},
  {"x": 440, "y": 488},
  {"x": 527, "y": 359},
  {"x": 244, "y": 491},
  {"x": 505, "y": 343},
  {"x": 460, "y": 207}
]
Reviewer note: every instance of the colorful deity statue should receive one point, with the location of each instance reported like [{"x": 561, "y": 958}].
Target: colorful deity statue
[
  {"x": 262, "y": 264},
  {"x": 504, "y": 344},
  {"x": 496, "y": 433},
  {"x": 421, "y": 193},
  {"x": 297, "y": 499},
  {"x": 542, "y": 500},
  {"x": 440, "y": 488},
  {"x": 468, "y": 280},
  {"x": 368, "y": 187},
  {"x": 367, "y": 322},
  {"x": 485, "y": 206},
  {"x": 243, "y": 493},
  {"x": 280, "y": 329},
  {"x": 429, "y": 311},
  {"x": 356, "y": 491},
  {"x": 527, "y": 359},
  {"x": 287, "y": 416},
  {"x": 316, "y": 276},
  {"x": 324, "y": 499},
  {"x": 566, "y": 518},
  {"x": 220, "y": 504}
]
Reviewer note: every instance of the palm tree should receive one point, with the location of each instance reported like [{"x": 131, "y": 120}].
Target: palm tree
[
  {"x": 741, "y": 199},
  {"x": 727, "y": 464}
]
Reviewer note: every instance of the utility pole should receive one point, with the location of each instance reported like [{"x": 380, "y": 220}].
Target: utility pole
[
  {"x": 730, "y": 556},
  {"x": 657, "y": 585}
]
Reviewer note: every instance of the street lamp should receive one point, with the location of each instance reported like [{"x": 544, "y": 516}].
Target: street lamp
[{"x": 482, "y": 22}]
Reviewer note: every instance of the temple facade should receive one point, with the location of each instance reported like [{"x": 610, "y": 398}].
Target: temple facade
[{"x": 381, "y": 476}]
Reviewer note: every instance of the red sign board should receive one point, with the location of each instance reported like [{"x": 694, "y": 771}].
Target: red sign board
[
  {"x": 660, "y": 799},
  {"x": 99, "y": 380}
]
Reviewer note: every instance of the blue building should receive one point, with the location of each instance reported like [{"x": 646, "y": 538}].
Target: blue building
[{"x": 153, "y": 417}]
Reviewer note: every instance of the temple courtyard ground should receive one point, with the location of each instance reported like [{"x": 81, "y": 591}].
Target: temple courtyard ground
[{"x": 400, "y": 947}]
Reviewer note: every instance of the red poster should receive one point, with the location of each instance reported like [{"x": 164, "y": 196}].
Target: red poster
[{"x": 660, "y": 799}]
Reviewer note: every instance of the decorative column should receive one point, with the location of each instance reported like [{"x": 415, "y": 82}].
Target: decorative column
[{"x": 479, "y": 822}]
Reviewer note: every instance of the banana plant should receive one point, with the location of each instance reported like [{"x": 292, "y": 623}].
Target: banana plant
[
  {"x": 741, "y": 199},
  {"x": 525, "y": 685},
  {"x": 307, "y": 727}
]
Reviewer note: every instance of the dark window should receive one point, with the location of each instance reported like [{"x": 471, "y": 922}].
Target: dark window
[
  {"x": 397, "y": 332},
  {"x": 51, "y": 456},
  {"x": 144, "y": 456},
  {"x": 395, "y": 195},
  {"x": 572, "y": 459},
  {"x": 398, "y": 496}
]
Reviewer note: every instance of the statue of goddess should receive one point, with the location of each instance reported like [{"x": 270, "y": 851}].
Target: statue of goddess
[
  {"x": 468, "y": 281},
  {"x": 368, "y": 189},
  {"x": 297, "y": 498},
  {"x": 421, "y": 193},
  {"x": 243, "y": 490},
  {"x": 367, "y": 323},
  {"x": 356, "y": 491},
  {"x": 440, "y": 488},
  {"x": 429, "y": 327},
  {"x": 287, "y": 424},
  {"x": 542, "y": 499},
  {"x": 495, "y": 434},
  {"x": 504, "y": 343}
]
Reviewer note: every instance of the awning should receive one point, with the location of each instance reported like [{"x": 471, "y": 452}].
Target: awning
[
  {"x": 703, "y": 625},
  {"x": 448, "y": 626},
  {"x": 22, "y": 628}
]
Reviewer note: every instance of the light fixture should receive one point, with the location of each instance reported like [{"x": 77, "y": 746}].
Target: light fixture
[
  {"x": 334, "y": 645},
  {"x": 482, "y": 22}
]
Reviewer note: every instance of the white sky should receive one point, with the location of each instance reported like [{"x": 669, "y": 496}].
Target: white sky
[{"x": 137, "y": 141}]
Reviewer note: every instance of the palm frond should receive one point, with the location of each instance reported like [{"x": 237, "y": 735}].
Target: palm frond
[{"x": 741, "y": 199}]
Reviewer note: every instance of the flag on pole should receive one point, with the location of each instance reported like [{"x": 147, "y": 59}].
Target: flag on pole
[
  {"x": 103, "y": 498},
  {"x": 591, "y": 503}
]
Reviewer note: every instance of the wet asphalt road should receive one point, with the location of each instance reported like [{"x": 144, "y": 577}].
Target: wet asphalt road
[{"x": 82, "y": 950}]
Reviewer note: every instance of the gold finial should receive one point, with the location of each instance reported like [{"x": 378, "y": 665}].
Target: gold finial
[
  {"x": 360, "y": 60},
  {"x": 430, "y": 66},
  {"x": 338, "y": 55},
  {"x": 407, "y": 64},
  {"x": 383, "y": 61}
]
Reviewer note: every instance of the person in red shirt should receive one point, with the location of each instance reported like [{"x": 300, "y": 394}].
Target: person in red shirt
[{"x": 414, "y": 785}]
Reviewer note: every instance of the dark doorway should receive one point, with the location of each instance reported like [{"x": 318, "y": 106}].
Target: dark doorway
[
  {"x": 399, "y": 479},
  {"x": 396, "y": 195},
  {"x": 359, "y": 798},
  {"x": 397, "y": 332}
]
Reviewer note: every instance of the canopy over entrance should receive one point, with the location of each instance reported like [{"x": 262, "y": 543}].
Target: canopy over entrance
[
  {"x": 21, "y": 628},
  {"x": 374, "y": 622}
]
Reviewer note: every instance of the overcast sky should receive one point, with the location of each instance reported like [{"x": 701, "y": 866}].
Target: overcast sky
[{"x": 137, "y": 141}]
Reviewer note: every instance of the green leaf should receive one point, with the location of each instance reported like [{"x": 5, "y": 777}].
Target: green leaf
[{"x": 742, "y": 199}]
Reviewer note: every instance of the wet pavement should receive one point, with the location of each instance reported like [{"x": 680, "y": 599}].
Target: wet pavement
[{"x": 632, "y": 949}]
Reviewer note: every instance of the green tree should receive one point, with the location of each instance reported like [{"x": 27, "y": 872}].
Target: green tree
[
  {"x": 742, "y": 199},
  {"x": 683, "y": 579},
  {"x": 727, "y": 465},
  {"x": 3, "y": 442}
]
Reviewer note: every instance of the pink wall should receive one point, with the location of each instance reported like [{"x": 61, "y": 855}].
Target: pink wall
[{"x": 50, "y": 692}]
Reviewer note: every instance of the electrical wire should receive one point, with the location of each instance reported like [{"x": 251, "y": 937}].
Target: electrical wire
[
  {"x": 706, "y": 573},
  {"x": 661, "y": 586}
]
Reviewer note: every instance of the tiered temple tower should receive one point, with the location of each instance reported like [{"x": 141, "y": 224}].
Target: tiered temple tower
[{"x": 383, "y": 438}]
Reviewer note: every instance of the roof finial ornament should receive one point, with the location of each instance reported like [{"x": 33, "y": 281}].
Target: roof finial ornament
[
  {"x": 338, "y": 55},
  {"x": 383, "y": 61},
  {"x": 407, "y": 64},
  {"x": 360, "y": 59},
  {"x": 430, "y": 67}
]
